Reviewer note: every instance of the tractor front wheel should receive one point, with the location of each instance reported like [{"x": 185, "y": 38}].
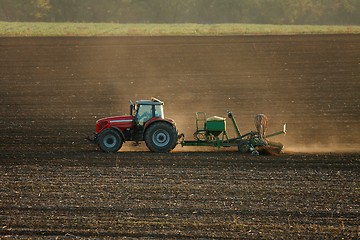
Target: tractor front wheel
[
  {"x": 110, "y": 140},
  {"x": 161, "y": 137}
]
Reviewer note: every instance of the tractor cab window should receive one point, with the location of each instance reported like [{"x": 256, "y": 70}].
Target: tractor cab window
[
  {"x": 144, "y": 113},
  {"x": 159, "y": 111}
]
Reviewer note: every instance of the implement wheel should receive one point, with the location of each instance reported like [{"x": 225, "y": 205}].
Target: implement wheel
[
  {"x": 243, "y": 146},
  {"x": 161, "y": 137}
]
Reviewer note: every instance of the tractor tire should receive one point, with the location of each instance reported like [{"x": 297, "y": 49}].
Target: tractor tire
[
  {"x": 161, "y": 137},
  {"x": 110, "y": 140},
  {"x": 243, "y": 146}
]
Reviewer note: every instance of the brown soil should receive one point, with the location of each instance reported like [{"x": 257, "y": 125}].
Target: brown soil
[{"x": 55, "y": 184}]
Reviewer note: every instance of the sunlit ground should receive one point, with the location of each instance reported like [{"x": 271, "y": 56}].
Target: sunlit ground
[{"x": 112, "y": 29}]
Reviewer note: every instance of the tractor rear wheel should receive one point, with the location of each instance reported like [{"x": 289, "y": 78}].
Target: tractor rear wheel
[
  {"x": 161, "y": 137},
  {"x": 110, "y": 140},
  {"x": 243, "y": 146}
]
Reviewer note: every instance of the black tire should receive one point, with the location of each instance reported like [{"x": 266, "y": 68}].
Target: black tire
[
  {"x": 110, "y": 140},
  {"x": 243, "y": 146},
  {"x": 161, "y": 137}
]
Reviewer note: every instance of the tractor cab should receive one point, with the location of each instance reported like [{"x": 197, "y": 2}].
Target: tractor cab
[{"x": 144, "y": 110}]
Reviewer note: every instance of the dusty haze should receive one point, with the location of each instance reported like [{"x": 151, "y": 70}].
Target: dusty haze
[{"x": 54, "y": 89}]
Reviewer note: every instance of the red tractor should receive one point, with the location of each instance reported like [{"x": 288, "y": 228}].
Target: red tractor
[{"x": 146, "y": 122}]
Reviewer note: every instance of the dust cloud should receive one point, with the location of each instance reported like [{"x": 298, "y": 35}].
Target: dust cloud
[
  {"x": 320, "y": 148},
  {"x": 309, "y": 82}
]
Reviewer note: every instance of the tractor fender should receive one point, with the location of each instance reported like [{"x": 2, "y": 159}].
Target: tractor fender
[
  {"x": 120, "y": 132},
  {"x": 152, "y": 121}
]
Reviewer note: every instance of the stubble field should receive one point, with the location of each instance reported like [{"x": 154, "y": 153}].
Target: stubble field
[{"x": 55, "y": 184}]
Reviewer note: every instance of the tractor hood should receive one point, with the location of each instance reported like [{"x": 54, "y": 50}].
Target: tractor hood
[{"x": 121, "y": 122}]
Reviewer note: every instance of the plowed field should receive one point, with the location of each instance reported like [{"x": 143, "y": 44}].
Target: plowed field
[{"x": 56, "y": 185}]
